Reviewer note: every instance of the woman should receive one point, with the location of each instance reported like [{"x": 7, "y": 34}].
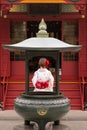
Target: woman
[{"x": 43, "y": 79}]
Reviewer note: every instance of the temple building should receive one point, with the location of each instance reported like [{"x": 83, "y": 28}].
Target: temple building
[{"x": 67, "y": 21}]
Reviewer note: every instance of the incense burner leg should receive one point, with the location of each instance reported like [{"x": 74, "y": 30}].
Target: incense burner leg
[
  {"x": 57, "y": 122},
  {"x": 27, "y": 122},
  {"x": 42, "y": 124}
]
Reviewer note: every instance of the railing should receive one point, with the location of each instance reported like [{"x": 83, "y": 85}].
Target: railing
[
  {"x": 82, "y": 90},
  {"x": 5, "y": 88},
  {"x": 4, "y": 81},
  {"x": 61, "y": 82},
  {"x": 82, "y": 83}
]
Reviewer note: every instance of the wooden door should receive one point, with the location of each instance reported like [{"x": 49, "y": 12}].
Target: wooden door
[{"x": 70, "y": 59}]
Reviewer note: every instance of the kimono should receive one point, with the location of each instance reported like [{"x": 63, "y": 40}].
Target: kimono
[{"x": 43, "y": 80}]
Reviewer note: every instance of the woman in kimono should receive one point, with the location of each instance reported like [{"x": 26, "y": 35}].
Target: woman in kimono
[{"x": 43, "y": 79}]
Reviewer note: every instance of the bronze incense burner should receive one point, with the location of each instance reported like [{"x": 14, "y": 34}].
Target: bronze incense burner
[{"x": 42, "y": 107}]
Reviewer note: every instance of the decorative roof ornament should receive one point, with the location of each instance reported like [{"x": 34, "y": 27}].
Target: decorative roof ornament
[{"x": 42, "y": 29}]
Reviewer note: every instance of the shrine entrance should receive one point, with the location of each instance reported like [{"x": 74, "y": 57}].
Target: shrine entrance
[{"x": 64, "y": 22}]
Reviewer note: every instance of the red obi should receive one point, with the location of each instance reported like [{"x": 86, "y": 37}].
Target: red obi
[{"x": 42, "y": 85}]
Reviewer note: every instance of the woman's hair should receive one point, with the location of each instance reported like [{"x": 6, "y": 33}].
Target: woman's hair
[{"x": 43, "y": 62}]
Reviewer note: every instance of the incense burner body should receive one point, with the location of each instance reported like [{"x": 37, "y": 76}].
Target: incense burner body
[{"x": 40, "y": 108}]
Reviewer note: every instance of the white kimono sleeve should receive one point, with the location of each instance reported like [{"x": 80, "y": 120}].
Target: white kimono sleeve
[
  {"x": 34, "y": 79},
  {"x": 51, "y": 79}
]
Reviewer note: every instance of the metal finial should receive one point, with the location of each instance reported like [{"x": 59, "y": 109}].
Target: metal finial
[
  {"x": 42, "y": 25},
  {"x": 42, "y": 29}
]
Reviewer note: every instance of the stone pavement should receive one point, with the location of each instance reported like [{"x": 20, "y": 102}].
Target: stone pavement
[{"x": 74, "y": 120}]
